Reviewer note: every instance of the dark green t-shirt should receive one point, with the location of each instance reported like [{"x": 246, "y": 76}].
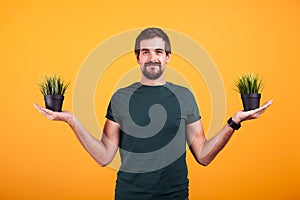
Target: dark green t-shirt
[{"x": 152, "y": 142}]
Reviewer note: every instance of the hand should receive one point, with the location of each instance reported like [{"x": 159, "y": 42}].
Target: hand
[
  {"x": 251, "y": 114},
  {"x": 57, "y": 116}
]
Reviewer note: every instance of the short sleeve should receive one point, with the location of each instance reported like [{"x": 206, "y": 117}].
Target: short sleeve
[
  {"x": 191, "y": 108},
  {"x": 112, "y": 114}
]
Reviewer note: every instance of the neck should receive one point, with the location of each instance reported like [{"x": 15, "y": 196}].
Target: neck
[{"x": 159, "y": 81}]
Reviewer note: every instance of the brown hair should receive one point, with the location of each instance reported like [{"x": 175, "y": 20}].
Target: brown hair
[{"x": 150, "y": 33}]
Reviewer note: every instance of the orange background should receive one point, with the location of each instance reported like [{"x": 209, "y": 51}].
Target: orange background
[{"x": 43, "y": 160}]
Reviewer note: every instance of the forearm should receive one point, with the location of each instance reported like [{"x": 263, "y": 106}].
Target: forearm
[
  {"x": 100, "y": 150},
  {"x": 206, "y": 150},
  {"x": 213, "y": 146}
]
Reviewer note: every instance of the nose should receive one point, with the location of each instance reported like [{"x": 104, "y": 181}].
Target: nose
[{"x": 153, "y": 56}]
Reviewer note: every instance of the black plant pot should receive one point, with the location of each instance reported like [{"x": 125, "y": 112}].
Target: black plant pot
[
  {"x": 250, "y": 101},
  {"x": 54, "y": 102}
]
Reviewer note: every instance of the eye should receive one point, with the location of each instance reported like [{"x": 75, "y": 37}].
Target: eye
[
  {"x": 144, "y": 52},
  {"x": 159, "y": 52}
]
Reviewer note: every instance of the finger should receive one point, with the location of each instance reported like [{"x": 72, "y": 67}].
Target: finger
[
  {"x": 254, "y": 114},
  {"x": 45, "y": 112},
  {"x": 49, "y": 112},
  {"x": 36, "y": 106},
  {"x": 259, "y": 113},
  {"x": 40, "y": 109},
  {"x": 262, "y": 108},
  {"x": 267, "y": 104}
]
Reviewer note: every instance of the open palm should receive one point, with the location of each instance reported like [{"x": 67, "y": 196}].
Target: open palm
[
  {"x": 58, "y": 116},
  {"x": 251, "y": 114}
]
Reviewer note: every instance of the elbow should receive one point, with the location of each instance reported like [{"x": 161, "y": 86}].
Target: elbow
[
  {"x": 103, "y": 163},
  {"x": 204, "y": 162}
]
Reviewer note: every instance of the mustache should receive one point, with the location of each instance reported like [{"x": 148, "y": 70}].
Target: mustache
[{"x": 152, "y": 64}]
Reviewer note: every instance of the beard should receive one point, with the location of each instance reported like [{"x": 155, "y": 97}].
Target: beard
[{"x": 152, "y": 74}]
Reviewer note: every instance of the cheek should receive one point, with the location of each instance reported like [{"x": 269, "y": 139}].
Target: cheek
[
  {"x": 139, "y": 60},
  {"x": 163, "y": 61},
  {"x": 141, "y": 63},
  {"x": 142, "y": 60}
]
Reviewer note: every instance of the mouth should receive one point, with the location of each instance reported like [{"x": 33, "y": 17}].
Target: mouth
[{"x": 152, "y": 64}]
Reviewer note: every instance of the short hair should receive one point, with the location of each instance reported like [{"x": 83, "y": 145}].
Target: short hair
[{"x": 150, "y": 33}]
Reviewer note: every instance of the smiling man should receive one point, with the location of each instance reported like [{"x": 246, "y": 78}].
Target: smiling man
[
  {"x": 150, "y": 122},
  {"x": 152, "y": 57}
]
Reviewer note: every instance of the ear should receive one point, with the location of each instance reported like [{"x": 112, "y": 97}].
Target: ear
[
  {"x": 168, "y": 58},
  {"x": 137, "y": 58}
]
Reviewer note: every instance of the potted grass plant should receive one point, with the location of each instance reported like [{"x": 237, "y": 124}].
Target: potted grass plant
[
  {"x": 53, "y": 89},
  {"x": 249, "y": 85}
]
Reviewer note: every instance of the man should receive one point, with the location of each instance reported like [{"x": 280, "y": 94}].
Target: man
[{"x": 150, "y": 122}]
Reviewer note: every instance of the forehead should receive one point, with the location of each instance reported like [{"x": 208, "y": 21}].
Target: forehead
[{"x": 154, "y": 43}]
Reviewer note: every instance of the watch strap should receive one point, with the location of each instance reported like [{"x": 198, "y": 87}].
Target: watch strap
[{"x": 233, "y": 125}]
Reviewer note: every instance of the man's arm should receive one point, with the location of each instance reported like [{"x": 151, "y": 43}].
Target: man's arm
[
  {"x": 205, "y": 150},
  {"x": 104, "y": 150}
]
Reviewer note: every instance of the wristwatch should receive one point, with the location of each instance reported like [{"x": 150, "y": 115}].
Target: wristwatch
[{"x": 233, "y": 125}]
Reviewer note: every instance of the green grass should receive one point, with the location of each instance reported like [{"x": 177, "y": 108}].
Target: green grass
[
  {"x": 53, "y": 85},
  {"x": 249, "y": 83}
]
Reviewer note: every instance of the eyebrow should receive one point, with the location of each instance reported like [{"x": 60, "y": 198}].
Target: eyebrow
[{"x": 158, "y": 49}]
